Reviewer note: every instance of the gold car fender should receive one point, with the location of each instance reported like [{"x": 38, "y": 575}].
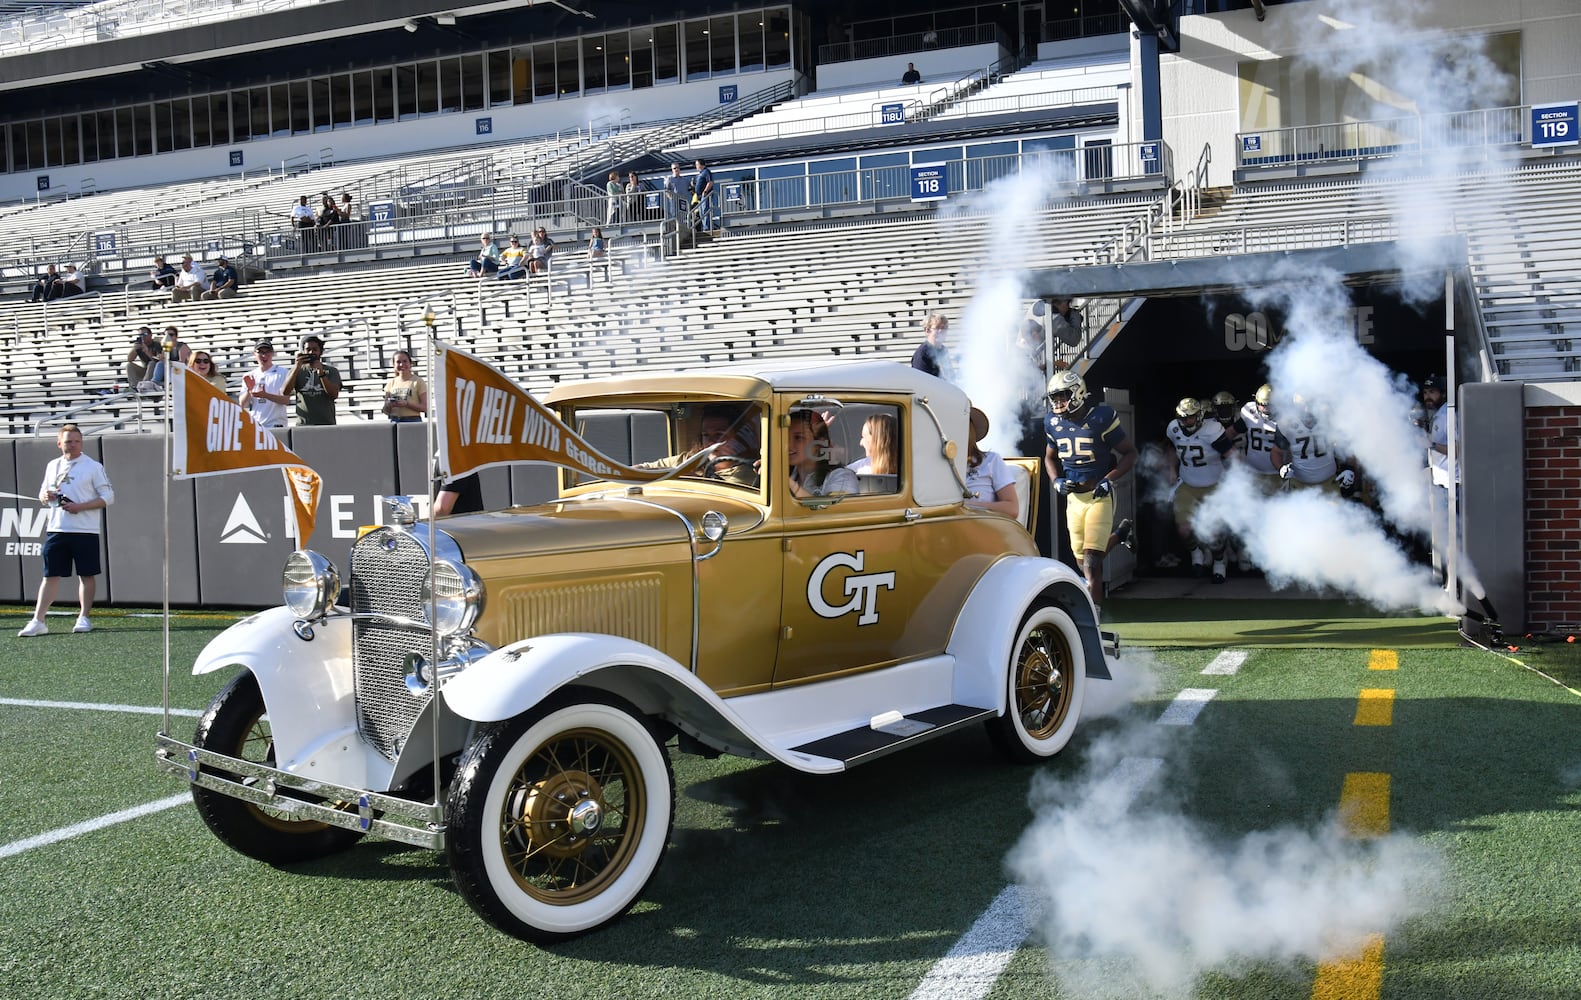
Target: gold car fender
[{"x": 986, "y": 626}]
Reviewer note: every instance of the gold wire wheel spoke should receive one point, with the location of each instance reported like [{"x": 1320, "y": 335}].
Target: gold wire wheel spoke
[
  {"x": 548, "y": 858},
  {"x": 1041, "y": 681}
]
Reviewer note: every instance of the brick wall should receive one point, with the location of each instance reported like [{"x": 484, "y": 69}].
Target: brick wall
[{"x": 1553, "y": 516}]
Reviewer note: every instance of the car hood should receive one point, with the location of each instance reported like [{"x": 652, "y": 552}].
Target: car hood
[{"x": 592, "y": 521}]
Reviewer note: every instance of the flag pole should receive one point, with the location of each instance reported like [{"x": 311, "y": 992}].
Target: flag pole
[
  {"x": 171, "y": 374},
  {"x": 431, "y": 443}
]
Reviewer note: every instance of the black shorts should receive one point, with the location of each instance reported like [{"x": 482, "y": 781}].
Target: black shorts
[{"x": 66, "y": 549}]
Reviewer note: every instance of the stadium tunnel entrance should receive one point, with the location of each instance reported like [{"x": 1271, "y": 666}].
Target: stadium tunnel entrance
[{"x": 1196, "y": 327}]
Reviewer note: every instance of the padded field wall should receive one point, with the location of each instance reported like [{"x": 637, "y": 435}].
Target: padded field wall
[{"x": 229, "y": 535}]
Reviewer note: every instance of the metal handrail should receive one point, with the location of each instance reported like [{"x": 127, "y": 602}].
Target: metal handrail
[{"x": 1383, "y": 137}]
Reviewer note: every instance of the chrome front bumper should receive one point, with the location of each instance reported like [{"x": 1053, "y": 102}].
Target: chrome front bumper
[{"x": 420, "y": 824}]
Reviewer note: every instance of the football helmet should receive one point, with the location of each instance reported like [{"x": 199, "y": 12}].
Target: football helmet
[
  {"x": 1067, "y": 392},
  {"x": 1189, "y": 414},
  {"x": 1225, "y": 406},
  {"x": 1265, "y": 401}
]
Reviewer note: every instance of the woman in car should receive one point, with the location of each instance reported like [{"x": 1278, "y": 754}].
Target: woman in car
[
  {"x": 811, "y": 472},
  {"x": 881, "y": 445},
  {"x": 988, "y": 479}
]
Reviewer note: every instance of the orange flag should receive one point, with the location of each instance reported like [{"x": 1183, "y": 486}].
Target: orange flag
[
  {"x": 486, "y": 419},
  {"x": 213, "y": 436}
]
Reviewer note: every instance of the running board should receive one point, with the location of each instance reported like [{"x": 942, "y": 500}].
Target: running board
[{"x": 892, "y": 732}]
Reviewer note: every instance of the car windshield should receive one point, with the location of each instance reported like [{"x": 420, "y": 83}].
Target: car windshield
[{"x": 676, "y": 435}]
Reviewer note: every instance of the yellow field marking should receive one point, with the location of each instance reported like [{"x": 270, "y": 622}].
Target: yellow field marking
[
  {"x": 1375, "y": 707},
  {"x": 1364, "y": 804},
  {"x": 1383, "y": 659},
  {"x": 1357, "y": 977}
]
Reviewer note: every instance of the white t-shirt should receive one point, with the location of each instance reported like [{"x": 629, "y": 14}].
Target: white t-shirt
[
  {"x": 191, "y": 278},
  {"x": 991, "y": 475},
  {"x": 839, "y": 480},
  {"x": 80, "y": 480},
  {"x": 271, "y": 380}
]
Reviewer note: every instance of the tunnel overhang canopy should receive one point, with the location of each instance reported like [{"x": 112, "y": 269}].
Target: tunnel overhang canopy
[{"x": 1358, "y": 264}]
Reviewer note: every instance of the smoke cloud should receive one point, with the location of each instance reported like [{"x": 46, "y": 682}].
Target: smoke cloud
[{"x": 1140, "y": 899}]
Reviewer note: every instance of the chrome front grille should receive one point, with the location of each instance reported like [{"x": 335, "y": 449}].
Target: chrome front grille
[{"x": 388, "y": 568}]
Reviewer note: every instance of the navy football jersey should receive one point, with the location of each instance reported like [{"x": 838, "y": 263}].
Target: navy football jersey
[{"x": 1085, "y": 447}]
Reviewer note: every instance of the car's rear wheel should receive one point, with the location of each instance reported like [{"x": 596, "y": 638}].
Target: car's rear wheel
[
  {"x": 1047, "y": 680},
  {"x": 559, "y": 818},
  {"x": 235, "y": 726}
]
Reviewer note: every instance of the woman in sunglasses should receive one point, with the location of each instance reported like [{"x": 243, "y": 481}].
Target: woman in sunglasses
[{"x": 203, "y": 364}]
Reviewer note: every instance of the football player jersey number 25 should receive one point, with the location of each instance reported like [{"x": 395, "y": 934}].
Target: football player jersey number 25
[{"x": 1076, "y": 450}]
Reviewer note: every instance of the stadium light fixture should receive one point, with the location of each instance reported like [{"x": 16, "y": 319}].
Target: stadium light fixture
[
  {"x": 446, "y": 18},
  {"x": 410, "y": 25}
]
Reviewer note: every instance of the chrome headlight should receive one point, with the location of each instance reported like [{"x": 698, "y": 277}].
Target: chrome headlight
[
  {"x": 455, "y": 593},
  {"x": 310, "y": 583}
]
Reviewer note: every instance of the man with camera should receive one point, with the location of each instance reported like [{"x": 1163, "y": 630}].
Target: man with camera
[
  {"x": 75, "y": 489},
  {"x": 315, "y": 384}
]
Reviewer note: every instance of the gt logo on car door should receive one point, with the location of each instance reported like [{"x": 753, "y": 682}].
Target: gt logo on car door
[{"x": 861, "y": 590}]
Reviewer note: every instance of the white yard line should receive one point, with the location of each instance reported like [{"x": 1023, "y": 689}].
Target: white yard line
[
  {"x": 978, "y": 959},
  {"x": 1227, "y": 662},
  {"x": 88, "y": 826},
  {"x": 1188, "y": 704},
  {"x": 88, "y": 706}
]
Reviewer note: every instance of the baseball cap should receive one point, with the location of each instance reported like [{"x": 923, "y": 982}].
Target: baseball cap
[
  {"x": 264, "y": 345},
  {"x": 221, "y": 259},
  {"x": 1433, "y": 382}
]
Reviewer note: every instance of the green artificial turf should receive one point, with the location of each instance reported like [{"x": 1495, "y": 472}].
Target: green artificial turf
[
  {"x": 1278, "y": 622},
  {"x": 783, "y": 885}
]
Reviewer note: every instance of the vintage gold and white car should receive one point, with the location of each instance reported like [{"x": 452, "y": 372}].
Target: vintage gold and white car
[{"x": 507, "y": 686}]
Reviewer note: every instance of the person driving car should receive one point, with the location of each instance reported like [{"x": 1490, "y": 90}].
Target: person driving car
[{"x": 733, "y": 429}]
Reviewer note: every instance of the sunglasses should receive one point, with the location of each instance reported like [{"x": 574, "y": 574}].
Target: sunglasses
[{"x": 203, "y": 361}]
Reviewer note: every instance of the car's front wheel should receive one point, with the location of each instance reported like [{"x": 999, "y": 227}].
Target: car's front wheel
[
  {"x": 560, "y": 817},
  {"x": 235, "y": 725},
  {"x": 1047, "y": 680}
]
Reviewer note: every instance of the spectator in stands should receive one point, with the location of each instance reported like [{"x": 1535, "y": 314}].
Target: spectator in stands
[
  {"x": 633, "y": 192},
  {"x": 263, "y": 388},
  {"x": 203, "y": 364},
  {"x": 224, "y": 283},
  {"x": 405, "y": 395},
  {"x": 162, "y": 276},
  {"x": 315, "y": 384},
  {"x": 675, "y": 194},
  {"x": 1066, "y": 323},
  {"x": 349, "y": 234},
  {"x": 140, "y": 360},
  {"x": 488, "y": 259},
  {"x": 707, "y": 197},
  {"x": 190, "y": 281},
  {"x": 45, "y": 284},
  {"x": 933, "y": 355},
  {"x": 170, "y": 346},
  {"x": 911, "y": 77},
  {"x": 613, "y": 192},
  {"x": 540, "y": 252},
  {"x": 68, "y": 284},
  {"x": 513, "y": 261},
  {"x": 302, "y": 216},
  {"x": 597, "y": 248},
  {"x": 328, "y": 219},
  {"x": 75, "y": 489},
  {"x": 989, "y": 482}
]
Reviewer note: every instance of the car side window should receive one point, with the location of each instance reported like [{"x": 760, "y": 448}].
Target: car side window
[{"x": 838, "y": 449}]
